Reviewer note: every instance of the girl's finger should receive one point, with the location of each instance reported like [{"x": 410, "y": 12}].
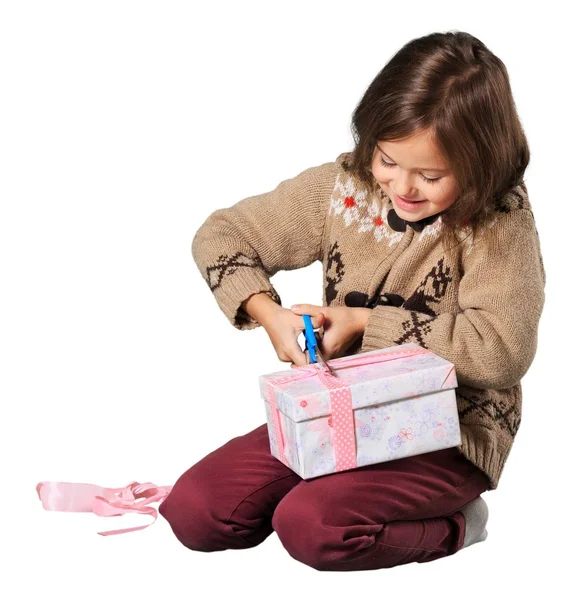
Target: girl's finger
[
  {"x": 318, "y": 320},
  {"x": 306, "y": 309},
  {"x": 315, "y": 312},
  {"x": 298, "y": 356}
]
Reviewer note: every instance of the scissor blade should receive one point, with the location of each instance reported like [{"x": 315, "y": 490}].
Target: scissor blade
[{"x": 323, "y": 361}]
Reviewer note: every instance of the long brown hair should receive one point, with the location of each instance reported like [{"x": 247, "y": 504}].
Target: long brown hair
[{"x": 452, "y": 85}]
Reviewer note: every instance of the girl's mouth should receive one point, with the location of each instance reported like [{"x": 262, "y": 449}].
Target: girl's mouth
[{"x": 407, "y": 204}]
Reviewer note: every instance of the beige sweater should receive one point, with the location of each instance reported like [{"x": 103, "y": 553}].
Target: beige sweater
[{"x": 480, "y": 311}]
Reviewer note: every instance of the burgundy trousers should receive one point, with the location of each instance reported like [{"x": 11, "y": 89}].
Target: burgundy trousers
[{"x": 373, "y": 517}]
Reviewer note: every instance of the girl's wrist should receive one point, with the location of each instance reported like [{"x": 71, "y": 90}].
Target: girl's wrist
[
  {"x": 363, "y": 318},
  {"x": 259, "y": 306}
]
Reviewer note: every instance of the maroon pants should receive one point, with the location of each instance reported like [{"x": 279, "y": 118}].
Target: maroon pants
[{"x": 372, "y": 517}]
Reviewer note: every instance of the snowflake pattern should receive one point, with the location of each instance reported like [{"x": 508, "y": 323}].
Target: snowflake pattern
[{"x": 356, "y": 206}]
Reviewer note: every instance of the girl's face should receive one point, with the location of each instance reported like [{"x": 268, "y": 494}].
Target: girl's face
[{"x": 414, "y": 170}]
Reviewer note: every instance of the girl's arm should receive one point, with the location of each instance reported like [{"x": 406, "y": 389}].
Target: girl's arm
[
  {"x": 238, "y": 249},
  {"x": 259, "y": 306},
  {"x": 493, "y": 341}
]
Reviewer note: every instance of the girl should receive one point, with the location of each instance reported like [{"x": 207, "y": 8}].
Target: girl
[{"x": 426, "y": 235}]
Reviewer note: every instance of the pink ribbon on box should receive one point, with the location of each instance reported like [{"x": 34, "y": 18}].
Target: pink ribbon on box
[
  {"x": 104, "y": 502},
  {"x": 341, "y": 400},
  {"x": 276, "y": 424}
]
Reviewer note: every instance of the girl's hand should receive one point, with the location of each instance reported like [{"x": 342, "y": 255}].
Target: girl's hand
[
  {"x": 283, "y": 327},
  {"x": 342, "y": 326}
]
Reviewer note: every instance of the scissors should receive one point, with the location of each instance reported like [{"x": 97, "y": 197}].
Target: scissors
[{"x": 312, "y": 339}]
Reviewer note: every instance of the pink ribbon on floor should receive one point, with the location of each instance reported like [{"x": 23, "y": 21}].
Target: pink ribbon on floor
[
  {"x": 344, "y": 445},
  {"x": 104, "y": 502}
]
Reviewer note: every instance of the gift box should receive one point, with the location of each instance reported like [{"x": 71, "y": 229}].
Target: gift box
[{"x": 378, "y": 406}]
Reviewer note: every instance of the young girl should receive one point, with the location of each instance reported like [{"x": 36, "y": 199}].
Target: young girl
[{"x": 426, "y": 235}]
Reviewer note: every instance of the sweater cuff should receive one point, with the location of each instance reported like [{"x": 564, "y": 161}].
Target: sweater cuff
[
  {"x": 236, "y": 288},
  {"x": 384, "y": 327},
  {"x": 477, "y": 445}
]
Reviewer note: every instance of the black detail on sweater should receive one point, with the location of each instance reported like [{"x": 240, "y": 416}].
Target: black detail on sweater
[
  {"x": 395, "y": 222},
  {"x": 387, "y": 300},
  {"x": 415, "y": 329},
  {"x": 360, "y": 299},
  {"x": 399, "y": 224},
  {"x": 508, "y": 417},
  {"x": 432, "y": 289},
  {"x": 356, "y": 299},
  {"x": 227, "y": 265},
  {"x": 334, "y": 271}
]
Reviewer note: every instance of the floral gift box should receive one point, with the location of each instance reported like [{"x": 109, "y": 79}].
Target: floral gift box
[{"x": 374, "y": 407}]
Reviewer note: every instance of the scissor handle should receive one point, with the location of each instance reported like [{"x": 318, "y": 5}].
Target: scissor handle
[{"x": 311, "y": 342}]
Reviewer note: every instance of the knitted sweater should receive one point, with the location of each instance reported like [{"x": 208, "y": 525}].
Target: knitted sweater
[{"x": 479, "y": 311}]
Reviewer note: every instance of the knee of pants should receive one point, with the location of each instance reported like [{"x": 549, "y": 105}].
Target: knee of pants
[
  {"x": 303, "y": 530},
  {"x": 190, "y": 509}
]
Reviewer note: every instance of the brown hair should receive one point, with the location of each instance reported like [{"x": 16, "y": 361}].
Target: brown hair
[{"x": 452, "y": 85}]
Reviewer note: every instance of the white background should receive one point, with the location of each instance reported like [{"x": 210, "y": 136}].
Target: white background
[{"x": 123, "y": 125}]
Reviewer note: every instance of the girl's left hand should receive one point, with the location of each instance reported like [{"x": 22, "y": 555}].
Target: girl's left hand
[{"x": 343, "y": 325}]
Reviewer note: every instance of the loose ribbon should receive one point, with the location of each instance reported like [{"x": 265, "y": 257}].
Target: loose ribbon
[
  {"x": 104, "y": 502},
  {"x": 343, "y": 420}
]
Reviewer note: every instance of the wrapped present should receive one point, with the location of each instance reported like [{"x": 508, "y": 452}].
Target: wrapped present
[{"x": 375, "y": 407}]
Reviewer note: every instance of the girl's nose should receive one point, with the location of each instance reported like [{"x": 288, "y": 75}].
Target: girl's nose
[{"x": 403, "y": 186}]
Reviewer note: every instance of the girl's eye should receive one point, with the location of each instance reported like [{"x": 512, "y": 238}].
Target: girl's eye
[{"x": 387, "y": 164}]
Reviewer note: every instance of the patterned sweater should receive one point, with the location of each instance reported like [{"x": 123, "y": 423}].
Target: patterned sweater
[{"x": 480, "y": 310}]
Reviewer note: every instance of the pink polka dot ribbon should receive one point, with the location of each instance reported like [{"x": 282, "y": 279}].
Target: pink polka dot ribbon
[{"x": 343, "y": 424}]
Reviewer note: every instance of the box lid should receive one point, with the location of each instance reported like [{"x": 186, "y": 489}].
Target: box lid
[{"x": 379, "y": 382}]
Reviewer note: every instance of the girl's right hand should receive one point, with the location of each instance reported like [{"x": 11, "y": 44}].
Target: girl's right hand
[{"x": 283, "y": 328}]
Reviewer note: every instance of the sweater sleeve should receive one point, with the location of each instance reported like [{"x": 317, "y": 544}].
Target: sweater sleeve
[
  {"x": 238, "y": 249},
  {"x": 492, "y": 341}
]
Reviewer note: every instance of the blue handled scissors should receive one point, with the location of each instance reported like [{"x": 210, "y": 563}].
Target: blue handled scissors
[{"x": 315, "y": 355}]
